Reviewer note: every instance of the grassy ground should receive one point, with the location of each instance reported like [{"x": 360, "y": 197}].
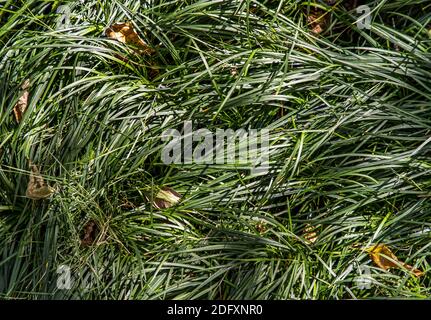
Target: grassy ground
[{"x": 348, "y": 109}]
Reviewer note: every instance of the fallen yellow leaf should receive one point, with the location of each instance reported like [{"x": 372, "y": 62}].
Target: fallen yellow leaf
[
  {"x": 21, "y": 105},
  {"x": 384, "y": 258},
  {"x": 125, "y": 33},
  {"x": 37, "y": 189}
]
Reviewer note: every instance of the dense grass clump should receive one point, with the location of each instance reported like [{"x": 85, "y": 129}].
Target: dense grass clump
[{"x": 349, "y": 116}]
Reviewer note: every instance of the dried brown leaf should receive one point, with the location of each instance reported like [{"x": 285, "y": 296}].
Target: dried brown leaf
[
  {"x": 37, "y": 188},
  {"x": 261, "y": 227},
  {"x": 22, "y": 103},
  {"x": 90, "y": 233},
  {"x": 318, "y": 20},
  {"x": 166, "y": 198},
  {"x": 310, "y": 234}
]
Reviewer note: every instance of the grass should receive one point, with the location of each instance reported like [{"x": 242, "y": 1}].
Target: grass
[{"x": 349, "y": 115}]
